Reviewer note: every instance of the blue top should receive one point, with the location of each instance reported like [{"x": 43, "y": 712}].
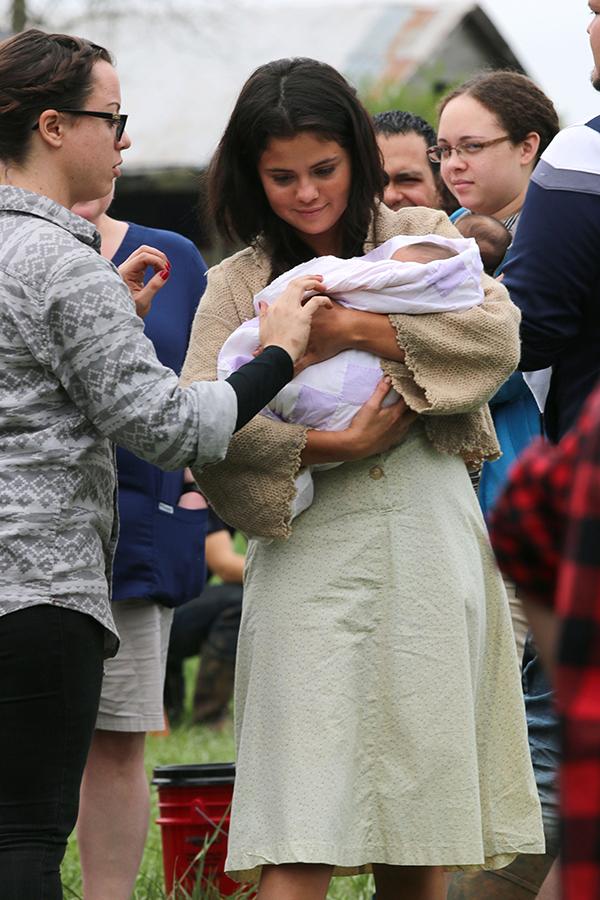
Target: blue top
[
  {"x": 160, "y": 552},
  {"x": 517, "y": 422},
  {"x": 554, "y": 272}
]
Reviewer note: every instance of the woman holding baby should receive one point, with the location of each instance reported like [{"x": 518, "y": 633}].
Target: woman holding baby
[{"x": 374, "y": 729}]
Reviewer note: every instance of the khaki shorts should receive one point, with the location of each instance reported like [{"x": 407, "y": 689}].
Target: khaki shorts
[
  {"x": 132, "y": 687},
  {"x": 517, "y": 616}
]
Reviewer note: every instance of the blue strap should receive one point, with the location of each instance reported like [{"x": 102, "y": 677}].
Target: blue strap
[{"x": 594, "y": 124}]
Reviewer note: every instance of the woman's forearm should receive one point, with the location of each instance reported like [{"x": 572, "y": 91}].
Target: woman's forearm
[
  {"x": 326, "y": 447},
  {"x": 374, "y": 333},
  {"x": 339, "y": 328},
  {"x": 222, "y": 559}
]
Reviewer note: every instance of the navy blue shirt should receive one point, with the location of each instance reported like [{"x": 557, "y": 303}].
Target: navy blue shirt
[
  {"x": 160, "y": 553},
  {"x": 553, "y": 274}
]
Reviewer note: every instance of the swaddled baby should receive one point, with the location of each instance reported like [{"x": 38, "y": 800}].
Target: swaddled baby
[{"x": 405, "y": 275}]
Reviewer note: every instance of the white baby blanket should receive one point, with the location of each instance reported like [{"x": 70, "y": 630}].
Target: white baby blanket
[{"x": 327, "y": 396}]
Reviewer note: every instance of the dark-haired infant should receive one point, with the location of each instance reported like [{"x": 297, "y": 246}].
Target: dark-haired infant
[{"x": 491, "y": 235}]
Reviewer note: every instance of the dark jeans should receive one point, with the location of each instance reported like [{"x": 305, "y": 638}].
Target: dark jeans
[
  {"x": 209, "y": 624},
  {"x": 50, "y": 677},
  {"x": 544, "y": 740}
]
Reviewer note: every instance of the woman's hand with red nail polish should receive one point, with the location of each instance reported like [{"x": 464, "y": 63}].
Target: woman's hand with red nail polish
[{"x": 133, "y": 272}]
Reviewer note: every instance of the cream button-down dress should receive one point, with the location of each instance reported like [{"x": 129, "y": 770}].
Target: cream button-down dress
[{"x": 379, "y": 714}]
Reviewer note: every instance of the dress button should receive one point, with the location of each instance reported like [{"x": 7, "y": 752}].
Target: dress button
[{"x": 376, "y": 472}]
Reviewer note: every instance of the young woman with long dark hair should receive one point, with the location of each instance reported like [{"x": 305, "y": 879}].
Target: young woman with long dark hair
[{"x": 379, "y": 721}]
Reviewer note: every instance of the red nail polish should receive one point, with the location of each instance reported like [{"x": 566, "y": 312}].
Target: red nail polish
[{"x": 164, "y": 274}]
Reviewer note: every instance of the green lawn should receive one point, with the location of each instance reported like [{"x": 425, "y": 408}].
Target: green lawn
[{"x": 187, "y": 744}]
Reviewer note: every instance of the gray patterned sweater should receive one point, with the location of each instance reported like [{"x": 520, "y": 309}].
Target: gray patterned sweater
[{"x": 76, "y": 374}]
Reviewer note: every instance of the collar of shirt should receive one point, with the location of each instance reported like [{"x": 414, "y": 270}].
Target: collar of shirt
[
  {"x": 14, "y": 199},
  {"x": 511, "y": 222}
]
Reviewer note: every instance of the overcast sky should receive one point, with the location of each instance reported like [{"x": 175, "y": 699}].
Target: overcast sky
[
  {"x": 550, "y": 39},
  {"x": 548, "y": 36}
]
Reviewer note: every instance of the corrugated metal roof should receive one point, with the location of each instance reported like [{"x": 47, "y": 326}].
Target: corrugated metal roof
[{"x": 182, "y": 64}]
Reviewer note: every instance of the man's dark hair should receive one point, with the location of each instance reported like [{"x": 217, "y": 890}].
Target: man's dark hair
[
  {"x": 399, "y": 121},
  {"x": 281, "y": 100}
]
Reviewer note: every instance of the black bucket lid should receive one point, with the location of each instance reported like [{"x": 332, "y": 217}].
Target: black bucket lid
[{"x": 191, "y": 775}]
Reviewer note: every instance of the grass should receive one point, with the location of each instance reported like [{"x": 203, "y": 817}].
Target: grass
[{"x": 186, "y": 744}]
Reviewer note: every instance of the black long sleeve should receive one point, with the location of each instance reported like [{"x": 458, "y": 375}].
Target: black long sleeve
[{"x": 257, "y": 382}]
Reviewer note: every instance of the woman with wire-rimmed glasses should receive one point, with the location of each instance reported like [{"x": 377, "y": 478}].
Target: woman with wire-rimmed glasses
[
  {"x": 78, "y": 374},
  {"x": 492, "y": 131}
]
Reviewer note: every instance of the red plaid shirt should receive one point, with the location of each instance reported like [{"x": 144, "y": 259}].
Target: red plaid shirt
[{"x": 546, "y": 534}]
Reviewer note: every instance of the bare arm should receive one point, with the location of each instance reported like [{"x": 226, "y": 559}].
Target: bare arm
[
  {"x": 375, "y": 333},
  {"x": 222, "y": 559},
  {"x": 339, "y": 328}
]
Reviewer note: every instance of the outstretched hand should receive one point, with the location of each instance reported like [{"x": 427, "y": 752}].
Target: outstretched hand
[
  {"x": 133, "y": 271},
  {"x": 287, "y": 322}
]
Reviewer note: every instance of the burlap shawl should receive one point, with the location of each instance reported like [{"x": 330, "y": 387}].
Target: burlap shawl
[{"x": 454, "y": 363}]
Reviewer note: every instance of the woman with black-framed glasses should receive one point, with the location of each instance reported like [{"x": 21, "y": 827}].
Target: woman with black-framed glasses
[
  {"x": 117, "y": 120},
  {"x": 77, "y": 375}
]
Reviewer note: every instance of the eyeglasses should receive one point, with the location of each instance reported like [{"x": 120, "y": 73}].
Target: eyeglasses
[
  {"x": 443, "y": 152},
  {"x": 119, "y": 120}
]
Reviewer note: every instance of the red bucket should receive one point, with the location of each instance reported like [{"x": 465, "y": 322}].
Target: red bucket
[{"x": 194, "y": 804}]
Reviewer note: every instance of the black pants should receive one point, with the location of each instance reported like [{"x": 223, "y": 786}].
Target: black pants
[
  {"x": 209, "y": 624},
  {"x": 50, "y": 679}
]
